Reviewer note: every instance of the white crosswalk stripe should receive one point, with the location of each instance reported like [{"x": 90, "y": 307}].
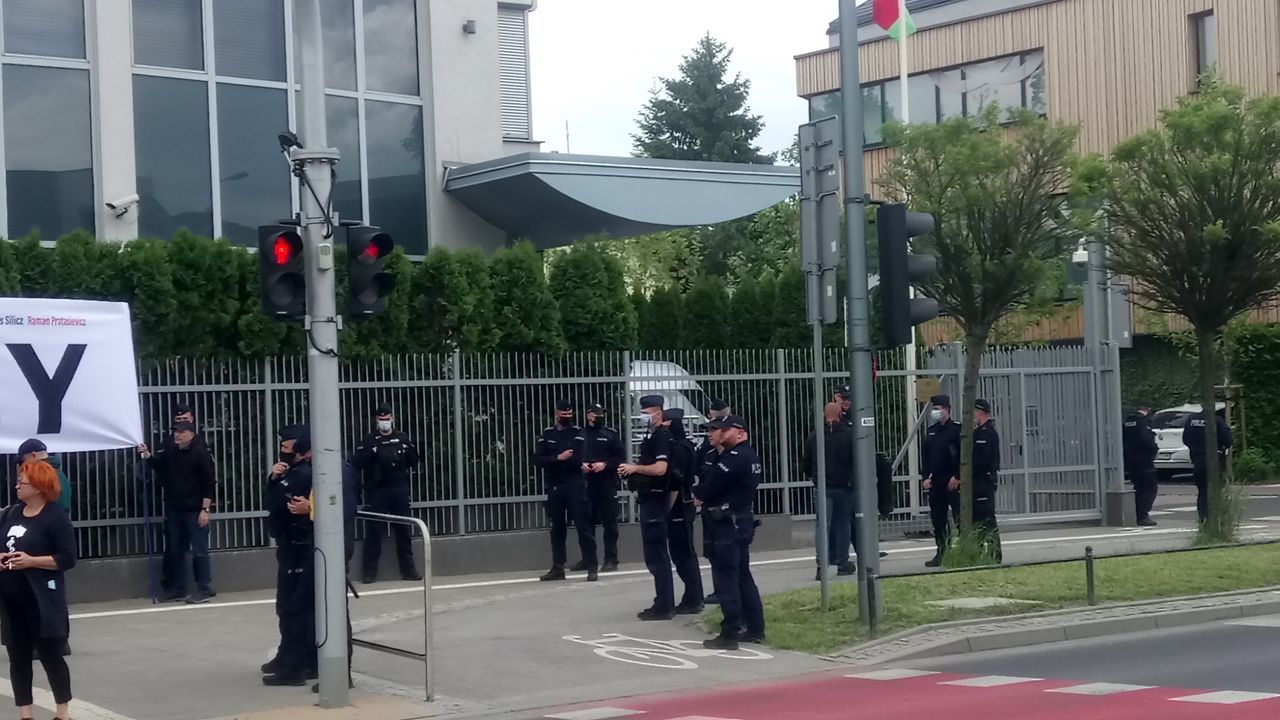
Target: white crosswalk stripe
[
  {"x": 892, "y": 674},
  {"x": 988, "y": 681},
  {"x": 1226, "y": 697},
  {"x": 1100, "y": 688},
  {"x": 600, "y": 713}
]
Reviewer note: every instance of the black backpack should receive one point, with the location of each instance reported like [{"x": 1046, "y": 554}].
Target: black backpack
[{"x": 680, "y": 468}]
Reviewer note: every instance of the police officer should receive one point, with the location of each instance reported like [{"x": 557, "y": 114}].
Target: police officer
[
  {"x": 844, "y": 398},
  {"x": 1194, "y": 437},
  {"x": 559, "y": 454},
  {"x": 289, "y": 521},
  {"x": 386, "y": 455},
  {"x": 940, "y": 472},
  {"x": 648, "y": 479},
  {"x": 986, "y": 467},
  {"x": 1139, "y": 461},
  {"x": 683, "y": 466},
  {"x": 601, "y": 455},
  {"x": 708, "y": 455},
  {"x": 726, "y": 495}
]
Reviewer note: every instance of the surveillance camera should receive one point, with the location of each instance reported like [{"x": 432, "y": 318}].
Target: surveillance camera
[
  {"x": 1080, "y": 257},
  {"x": 121, "y": 207}
]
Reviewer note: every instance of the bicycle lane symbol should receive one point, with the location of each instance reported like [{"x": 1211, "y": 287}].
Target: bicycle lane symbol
[{"x": 665, "y": 654}]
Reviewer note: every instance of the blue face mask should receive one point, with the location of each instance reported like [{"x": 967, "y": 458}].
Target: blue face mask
[
  {"x": 935, "y": 415},
  {"x": 648, "y": 420}
]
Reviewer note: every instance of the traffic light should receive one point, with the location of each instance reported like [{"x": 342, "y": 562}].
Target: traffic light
[
  {"x": 282, "y": 268},
  {"x": 369, "y": 281},
  {"x": 900, "y": 269}
]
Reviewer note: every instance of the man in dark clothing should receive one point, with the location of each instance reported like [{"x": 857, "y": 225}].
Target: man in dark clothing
[
  {"x": 727, "y": 497},
  {"x": 558, "y": 454},
  {"x": 705, "y": 457},
  {"x": 601, "y": 454},
  {"x": 35, "y": 449},
  {"x": 682, "y": 469},
  {"x": 290, "y": 523},
  {"x": 186, "y": 474},
  {"x": 844, "y": 398},
  {"x": 648, "y": 479},
  {"x": 1139, "y": 461},
  {"x": 1194, "y": 437},
  {"x": 838, "y": 451},
  {"x": 940, "y": 473},
  {"x": 986, "y": 467},
  {"x": 386, "y": 456}
]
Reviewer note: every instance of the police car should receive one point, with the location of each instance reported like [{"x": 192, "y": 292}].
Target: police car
[{"x": 1172, "y": 457}]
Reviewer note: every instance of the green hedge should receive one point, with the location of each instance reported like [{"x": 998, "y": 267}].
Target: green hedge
[{"x": 1254, "y": 352}]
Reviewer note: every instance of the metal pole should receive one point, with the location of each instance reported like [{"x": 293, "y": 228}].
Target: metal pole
[
  {"x": 859, "y": 318},
  {"x": 317, "y": 160},
  {"x": 820, "y": 453},
  {"x": 1091, "y": 588}
]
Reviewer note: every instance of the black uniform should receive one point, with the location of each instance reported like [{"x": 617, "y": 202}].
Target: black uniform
[
  {"x": 986, "y": 467},
  {"x": 1139, "y": 461},
  {"x": 706, "y": 457},
  {"x": 295, "y": 573},
  {"x": 386, "y": 461},
  {"x": 566, "y": 492},
  {"x": 1194, "y": 437},
  {"x": 728, "y": 492},
  {"x": 940, "y": 461},
  {"x": 654, "y": 497},
  {"x": 683, "y": 468},
  {"x": 602, "y": 444}
]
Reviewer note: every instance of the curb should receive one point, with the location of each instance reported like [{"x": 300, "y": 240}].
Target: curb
[{"x": 957, "y": 642}]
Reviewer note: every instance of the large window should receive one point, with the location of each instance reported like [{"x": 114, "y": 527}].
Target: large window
[
  {"x": 171, "y": 138},
  {"x": 47, "y": 28},
  {"x": 1204, "y": 36},
  {"x": 397, "y": 182}
]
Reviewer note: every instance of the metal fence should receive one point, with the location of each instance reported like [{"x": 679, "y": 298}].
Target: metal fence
[{"x": 476, "y": 418}]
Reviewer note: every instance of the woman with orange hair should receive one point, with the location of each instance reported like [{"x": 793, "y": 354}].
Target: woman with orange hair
[{"x": 39, "y": 547}]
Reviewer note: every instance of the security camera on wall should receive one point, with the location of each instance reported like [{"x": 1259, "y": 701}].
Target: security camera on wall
[{"x": 121, "y": 207}]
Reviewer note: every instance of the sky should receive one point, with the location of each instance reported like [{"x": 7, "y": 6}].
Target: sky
[{"x": 594, "y": 62}]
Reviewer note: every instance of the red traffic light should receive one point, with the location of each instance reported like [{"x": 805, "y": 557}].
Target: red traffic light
[
  {"x": 285, "y": 248},
  {"x": 377, "y": 246}
]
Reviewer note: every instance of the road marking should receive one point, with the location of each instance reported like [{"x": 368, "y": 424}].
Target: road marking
[
  {"x": 989, "y": 681},
  {"x": 600, "y": 713},
  {"x": 1100, "y": 688},
  {"x": 1184, "y": 508},
  {"x": 664, "y": 654},
  {"x": 1269, "y": 518},
  {"x": 892, "y": 674},
  {"x": 79, "y": 709},
  {"x": 1270, "y": 621},
  {"x": 700, "y": 717},
  {"x": 1226, "y": 697}
]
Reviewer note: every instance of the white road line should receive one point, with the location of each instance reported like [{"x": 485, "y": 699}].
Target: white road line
[
  {"x": 1100, "y": 688},
  {"x": 600, "y": 713},
  {"x": 1269, "y": 518},
  {"x": 1226, "y": 697},
  {"x": 80, "y": 709},
  {"x": 989, "y": 681},
  {"x": 1271, "y": 621},
  {"x": 700, "y": 717},
  {"x": 1184, "y": 508},
  {"x": 807, "y": 558},
  {"x": 892, "y": 674}
]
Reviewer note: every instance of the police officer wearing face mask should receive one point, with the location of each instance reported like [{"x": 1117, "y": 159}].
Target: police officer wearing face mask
[
  {"x": 386, "y": 456},
  {"x": 986, "y": 468},
  {"x": 559, "y": 453},
  {"x": 648, "y": 479},
  {"x": 289, "y": 521},
  {"x": 601, "y": 455},
  {"x": 680, "y": 522},
  {"x": 708, "y": 455},
  {"x": 940, "y": 472}
]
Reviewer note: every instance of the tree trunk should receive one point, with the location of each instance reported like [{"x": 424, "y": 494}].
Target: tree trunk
[
  {"x": 1208, "y": 353},
  {"x": 974, "y": 347}
]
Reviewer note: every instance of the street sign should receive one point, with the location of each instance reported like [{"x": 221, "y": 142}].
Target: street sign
[{"x": 820, "y": 215}]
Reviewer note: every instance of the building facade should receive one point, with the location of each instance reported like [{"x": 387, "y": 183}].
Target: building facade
[
  {"x": 1106, "y": 66},
  {"x": 179, "y": 102}
]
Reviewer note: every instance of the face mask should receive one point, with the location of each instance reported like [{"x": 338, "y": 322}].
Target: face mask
[
  {"x": 564, "y": 422},
  {"x": 595, "y": 423},
  {"x": 384, "y": 426},
  {"x": 648, "y": 420},
  {"x": 935, "y": 415},
  {"x": 288, "y": 457}
]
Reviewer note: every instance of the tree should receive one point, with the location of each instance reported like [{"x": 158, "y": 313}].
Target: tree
[
  {"x": 85, "y": 268},
  {"x": 34, "y": 267},
  {"x": 1000, "y": 226},
  {"x": 706, "y": 315},
  {"x": 453, "y": 299},
  {"x": 663, "y": 323},
  {"x": 1194, "y": 209},
  {"x": 595, "y": 312},
  {"x": 751, "y": 309},
  {"x": 8, "y": 270},
  {"x": 146, "y": 279},
  {"x": 528, "y": 317},
  {"x": 475, "y": 317},
  {"x": 650, "y": 262},
  {"x": 790, "y": 322},
  {"x": 206, "y": 284},
  {"x": 701, "y": 115}
]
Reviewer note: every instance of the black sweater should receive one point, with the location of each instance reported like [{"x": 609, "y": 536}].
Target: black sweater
[
  {"x": 49, "y": 533},
  {"x": 186, "y": 476}
]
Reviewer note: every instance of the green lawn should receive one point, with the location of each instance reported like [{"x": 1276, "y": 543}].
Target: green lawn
[{"x": 794, "y": 621}]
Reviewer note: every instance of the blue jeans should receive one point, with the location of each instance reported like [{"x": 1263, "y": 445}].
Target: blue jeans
[
  {"x": 182, "y": 531},
  {"x": 839, "y": 531}
]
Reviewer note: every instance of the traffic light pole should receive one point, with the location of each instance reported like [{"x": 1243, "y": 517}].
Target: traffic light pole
[
  {"x": 316, "y": 161},
  {"x": 859, "y": 320}
]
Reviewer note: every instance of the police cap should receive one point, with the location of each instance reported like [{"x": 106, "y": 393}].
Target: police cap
[
  {"x": 300, "y": 435},
  {"x": 844, "y": 392},
  {"x": 725, "y": 423},
  {"x": 383, "y": 410},
  {"x": 941, "y": 401},
  {"x": 719, "y": 405},
  {"x": 651, "y": 401},
  {"x": 563, "y": 405},
  {"x": 674, "y": 414},
  {"x": 596, "y": 409},
  {"x": 982, "y": 405}
]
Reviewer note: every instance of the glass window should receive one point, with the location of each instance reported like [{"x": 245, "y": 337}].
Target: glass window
[
  {"x": 53, "y": 28},
  {"x": 825, "y": 105},
  {"x": 338, "y": 21},
  {"x": 397, "y": 178},
  {"x": 343, "y": 122},
  {"x": 923, "y": 96},
  {"x": 1206, "y": 36},
  {"x": 951, "y": 85},
  {"x": 391, "y": 46},
  {"x": 1034, "y": 91},
  {"x": 872, "y": 114},
  {"x": 168, "y": 33},
  {"x": 997, "y": 82},
  {"x": 48, "y": 150},
  {"x": 249, "y": 38},
  {"x": 171, "y": 132},
  {"x": 255, "y": 179},
  {"x": 892, "y": 100}
]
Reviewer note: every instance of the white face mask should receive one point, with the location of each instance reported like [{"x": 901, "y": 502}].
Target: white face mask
[
  {"x": 648, "y": 420},
  {"x": 935, "y": 415},
  {"x": 384, "y": 426}
]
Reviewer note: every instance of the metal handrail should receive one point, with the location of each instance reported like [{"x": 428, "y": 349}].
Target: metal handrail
[{"x": 425, "y": 655}]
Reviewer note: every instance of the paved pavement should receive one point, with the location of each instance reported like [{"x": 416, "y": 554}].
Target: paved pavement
[{"x": 503, "y": 644}]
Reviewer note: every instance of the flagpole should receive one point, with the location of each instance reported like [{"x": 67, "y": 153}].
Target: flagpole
[{"x": 904, "y": 72}]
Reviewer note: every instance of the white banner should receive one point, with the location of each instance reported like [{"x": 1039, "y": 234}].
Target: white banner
[{"x": 67, "y": 374}]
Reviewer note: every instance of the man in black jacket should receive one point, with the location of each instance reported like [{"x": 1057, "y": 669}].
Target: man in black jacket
[
  {"x": 647, "y": 477},
  {"x": 838, "y": 451},
  {"x": 601, "y": 454},
  {"x": 288, "y": 505},
  {"x": 1194, "y": 437},
  {"x": 186, "y": 474},
  {"x": 940, "y": 473},
  {"x": 386, "y": 456},
  {"x": 558, "y": 453},
  {"x": 1139, "y": 461},
  {"x": 986, "y": 469}
]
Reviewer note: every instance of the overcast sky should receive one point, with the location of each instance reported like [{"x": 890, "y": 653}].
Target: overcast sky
[{"x": 595, "y": 61}]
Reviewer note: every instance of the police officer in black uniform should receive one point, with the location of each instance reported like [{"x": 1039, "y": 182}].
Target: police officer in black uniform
[
  {"x": 940, "y": 472},
  {"x": 386, "y": 456},
  {"x": 648, "y": 479},
  {"x": 1139, "y": 461},
  {"x": 727, "y": 495},
  {"x": 289, "y": 521},
  {"x": 986, "y": 467},
  {"x": 683, "y": 468},
  {"x": 1194, "y": 437},
  {"x": 559, "y": 454},
  {"x": 601, "y": 455},
  {"x": 708, "y": 455}
]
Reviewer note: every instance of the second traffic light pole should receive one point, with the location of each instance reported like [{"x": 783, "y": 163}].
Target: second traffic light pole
[{"x": 316, "y": 161}]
